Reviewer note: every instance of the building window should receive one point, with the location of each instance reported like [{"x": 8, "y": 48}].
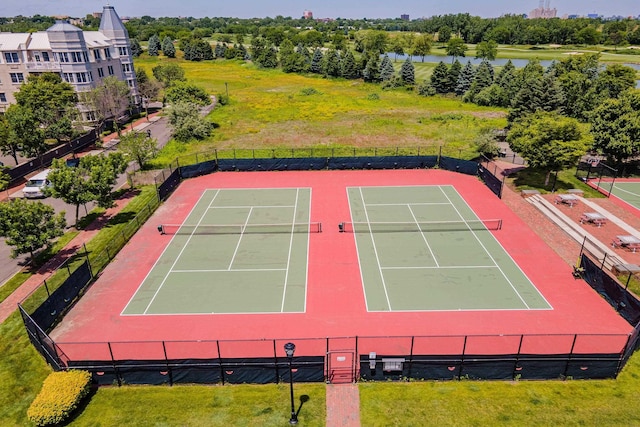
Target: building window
[
  {"x": 130, "y": 83},
  {"x": 107, "y": 53},
  {"x": 110, "y": 70},
  {"x": 76, "y": 56},
  {"x": 91, "y": 116},
  {"x": 3, "y": 97},
  {"x": 45, "y": 56},
  {"x": 122, "y": 51},
  {"x": 100, "y": 72},
  {"x": 85, "y": 56},
  {"x": 81, "y": 77},
  {"x": 90, "y": 76},
  {"x": 68, "y": 77},
  {"x": 17, "y": 77},
  {"x": 11, "y": 57},
  {"x": 64, "y": 57},
  {"x": 96, "y": 55},
  {"x": 126, "y": 68}
]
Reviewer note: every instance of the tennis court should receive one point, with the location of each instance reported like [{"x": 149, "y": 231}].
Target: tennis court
[
  {"x": 628, "y": 191},
  {"x": 238, "y": 251},
  {"x": 422, "y": 248}
]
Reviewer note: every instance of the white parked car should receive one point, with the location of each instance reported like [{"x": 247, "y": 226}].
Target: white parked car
[{"x": 33, "y": 188}]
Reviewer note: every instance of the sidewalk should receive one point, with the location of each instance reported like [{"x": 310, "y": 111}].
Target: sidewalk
[{"x": 11, "y": 303}]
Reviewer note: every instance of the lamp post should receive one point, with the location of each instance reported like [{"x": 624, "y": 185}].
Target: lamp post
[{"x": 289, "y": 349}]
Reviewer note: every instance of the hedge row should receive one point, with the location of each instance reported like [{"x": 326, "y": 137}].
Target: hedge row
[{"x": 61, "y": 394}]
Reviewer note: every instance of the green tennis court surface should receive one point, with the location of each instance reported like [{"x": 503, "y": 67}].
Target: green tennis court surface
[
  {"x": 423, "y": 248},
  {"x": 238, "y": 251},
  {"x": 625, "y": 190}
]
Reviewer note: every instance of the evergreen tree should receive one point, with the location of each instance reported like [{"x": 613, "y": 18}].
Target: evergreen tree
[
  {"x": 386, "y": 69},
  {"x": 527, "y": 100},
  {"x": 168, "y": 49},
  {"x": 371, "y": 72},
  {"x": 270, "y": 58},
  {"x": 258, "y": 49},
  {"x": 465, "y": 80},
  {"x": 287, "y": 56},
  {"x": 241, "y": 53},
  {"x": 453, "y": 75},
  {"x": 348, "y": 66},
  {"x": 218, "y": 52},
  {"x": 483, "y": 79},
  {"x": 331, "y": 65},
  {"x": 408, "y": 72},
  {"x": 316, "y": 62},
  {"x": 304, "y": 52},
  {"x": 136, "y": 49},
  {"x": 440, "y": 78},
  {"x": 154, "y": 45}
]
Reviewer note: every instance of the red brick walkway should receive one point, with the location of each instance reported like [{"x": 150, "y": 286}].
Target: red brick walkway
[{"x": 343, "y": 405}]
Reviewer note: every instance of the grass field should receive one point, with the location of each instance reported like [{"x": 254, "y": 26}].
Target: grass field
[{"x": 269, "y": 109}]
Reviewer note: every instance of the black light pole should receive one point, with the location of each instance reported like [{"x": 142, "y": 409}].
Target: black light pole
[{"x": 289, "y": 349}]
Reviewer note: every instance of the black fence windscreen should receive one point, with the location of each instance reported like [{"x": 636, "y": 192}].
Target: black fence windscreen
[
  {"x": 169, "y": 184},
  {"x": 467, "y": 167},
  {"x": 494, "y": 183},
  {"x": 62, "y": 298}
]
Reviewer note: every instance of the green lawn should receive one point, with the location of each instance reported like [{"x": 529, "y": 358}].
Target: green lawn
[{"x": 269, "y": 109}]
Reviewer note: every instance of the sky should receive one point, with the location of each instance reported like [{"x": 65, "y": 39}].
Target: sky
[{"x": 320, "y": 8}]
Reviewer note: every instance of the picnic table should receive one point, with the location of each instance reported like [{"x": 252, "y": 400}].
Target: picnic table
[
  {"x": 567, "y": 199},
  {"x": 594, "y": 218},
  {"x": 627, "y": 242}
]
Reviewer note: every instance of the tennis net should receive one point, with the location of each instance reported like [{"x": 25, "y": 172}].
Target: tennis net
[
  {"x": 421, "y": 227},
  {"x": 171, "y": 229}
]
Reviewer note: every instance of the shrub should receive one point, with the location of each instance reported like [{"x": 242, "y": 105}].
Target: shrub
[{"x": 61, "y": 394}]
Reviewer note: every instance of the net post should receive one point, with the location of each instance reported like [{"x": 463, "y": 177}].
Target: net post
[
  {"x": 573, "y": 344},
  {"x": 220, "y": 362}
]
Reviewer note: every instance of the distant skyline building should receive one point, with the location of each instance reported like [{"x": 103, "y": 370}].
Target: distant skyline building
[
  {"x": 543, "y": 11},
  {"x": 81, "y": 58},
  {"x": 404, "y": 17},
  {"x": 307, "y": 14}
]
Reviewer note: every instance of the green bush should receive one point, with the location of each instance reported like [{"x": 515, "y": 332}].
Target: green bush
[{"x": 61, "y": 394}]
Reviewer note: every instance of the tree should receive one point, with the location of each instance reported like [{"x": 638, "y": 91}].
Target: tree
[
  {"x": 444, "y": 34},
  {"x": 148, "y": 88},
  {"x": 483, "y": 79},
  {"x": 487, "y": 50},
  {"x": 197, "y": 50},
  {"x": 614, "y": 80},
  {"x": 29, "y": 226},
  {"x": 104, "y": 171},
  {"x": 615, "y": 126},
  {"x": 168, "y": 49},
  {"x": 538, "y": 93},
  {"x": 187, "y": 92},
  {"x": 465, "y": 80},
  {"x": 386, "y": 69},
  {"x": 24, "y": 133},
  {"x": 136, "y": 49},
  {"x": 167, "y": 74},
  {"x": 290, "y": 60},
  {"x": 110, "y": 100},
  {"x": 549, "y": 141},
  {"x": 397, "y": 47},
  {"x": 422, "y": 46},
  {"x": 371, "y": 72},
  {"x": 349, "y": 69},
  {"x": 408, "y": 72},
  {"x": 139, "y": 147},
  {"x": 187, "y": 123},
  {"x": 440, "y": 78},
  {"x": 331, "y": 65},
  {"x": 5, "y": 178},
  {"x": 10, "y": 145},
  {"x": 452, "y": 76},
  {"x": 154, "y": 45},
  {"x": 316, "y": 62},
  {"x": 52, "y": 102},
  {"x": 456, "y": 47}
]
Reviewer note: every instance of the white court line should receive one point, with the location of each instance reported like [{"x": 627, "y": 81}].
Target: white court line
[
  {"x": 487, "y": 252},
  {"x": 252, "y": 206},
  {"x": 162, "y": 254},
  {"x": 422, "y": 233},
  {"x": 233, "y": 258},
  {"x": 179, "y": 254},
  {"x": 404, "y": 204},
  {"x": 240, "y": 270},
  {"x": 286, "y": 275},
  {"x": 451, "y": 267},
  {"x": 375, "y": 250}
]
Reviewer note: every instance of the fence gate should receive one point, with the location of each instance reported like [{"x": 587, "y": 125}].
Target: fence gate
[{"x": 341, "y": 361}]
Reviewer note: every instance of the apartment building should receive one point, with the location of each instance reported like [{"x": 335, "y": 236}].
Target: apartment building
[{"x": 81, "y": 58}]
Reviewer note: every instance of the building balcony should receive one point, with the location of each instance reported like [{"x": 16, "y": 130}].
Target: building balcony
[{"x": 43, "y": 66}]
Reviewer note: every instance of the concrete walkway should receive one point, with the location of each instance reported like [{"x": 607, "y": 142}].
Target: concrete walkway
[{"x": 343, "y": 405}]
